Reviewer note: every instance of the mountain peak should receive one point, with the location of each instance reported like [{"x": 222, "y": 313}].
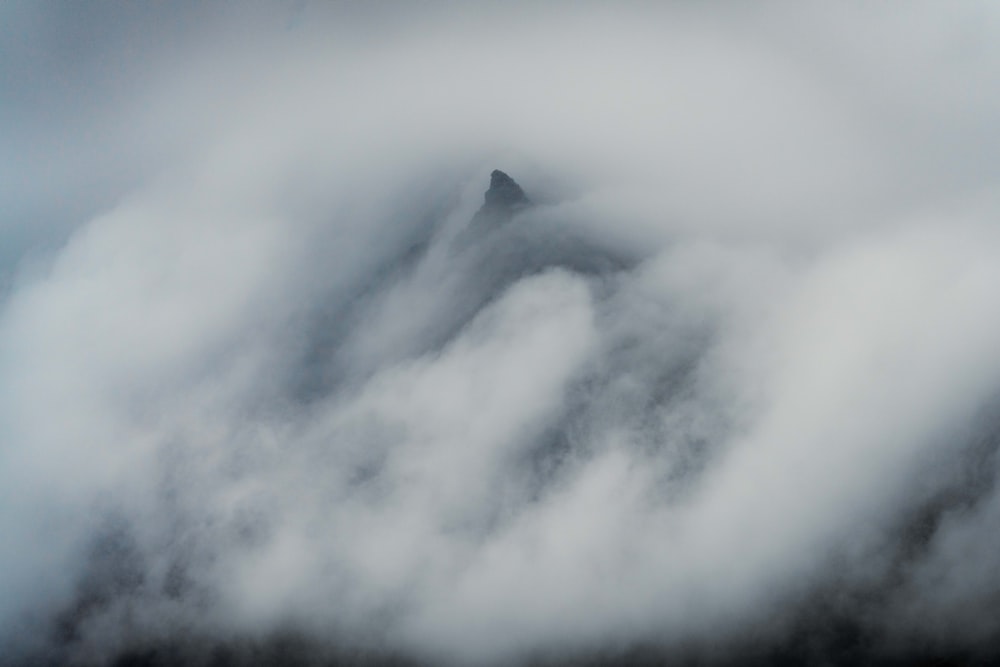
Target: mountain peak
[
  {"x": 503, "y": 199},
  {"x": 504, "y": 192}
]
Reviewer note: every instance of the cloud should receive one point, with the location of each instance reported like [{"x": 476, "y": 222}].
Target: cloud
[{"x": 725, "y": 391}]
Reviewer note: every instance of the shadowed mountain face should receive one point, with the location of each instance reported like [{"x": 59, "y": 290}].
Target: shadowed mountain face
[
  {"x": 504, "y": 193},
  {"x": 502, "y": 201}
]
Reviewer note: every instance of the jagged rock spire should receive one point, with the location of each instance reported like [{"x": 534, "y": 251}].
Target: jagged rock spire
[
  {"x": 504, "y": 192},
  {"x": 504, "y": 198}
]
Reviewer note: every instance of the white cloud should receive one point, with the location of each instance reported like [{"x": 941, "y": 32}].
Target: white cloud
[{"x": 741, "y": 348}]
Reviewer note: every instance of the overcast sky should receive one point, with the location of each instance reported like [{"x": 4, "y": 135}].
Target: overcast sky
[{"x": 728, "y": 385}]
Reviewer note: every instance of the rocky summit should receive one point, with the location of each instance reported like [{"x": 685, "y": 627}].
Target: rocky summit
[
  {"x": 504, "y": 192},
  {"x": 501, "y": 201}
]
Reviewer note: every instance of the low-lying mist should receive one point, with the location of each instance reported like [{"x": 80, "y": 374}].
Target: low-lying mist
[{"x": 721, "y": 385}]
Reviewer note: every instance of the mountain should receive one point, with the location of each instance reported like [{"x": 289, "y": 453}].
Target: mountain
[{"x": 502, "y": 200}]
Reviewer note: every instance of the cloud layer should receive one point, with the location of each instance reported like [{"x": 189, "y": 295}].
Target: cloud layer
[{"x": 726, "y": 391}]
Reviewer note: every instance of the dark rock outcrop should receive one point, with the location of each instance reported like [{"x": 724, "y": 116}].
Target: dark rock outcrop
[
  {"x": 503, "y": 199},
  {"x": 504, "y": 192}
]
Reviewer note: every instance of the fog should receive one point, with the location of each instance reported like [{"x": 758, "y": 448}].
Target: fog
[{"x": 277, "y": 388}]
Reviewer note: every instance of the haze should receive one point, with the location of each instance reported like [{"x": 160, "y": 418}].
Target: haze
[{"x": 726, "y": 391}]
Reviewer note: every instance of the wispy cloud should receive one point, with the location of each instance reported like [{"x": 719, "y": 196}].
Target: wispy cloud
[{"x": 726, "y": 388}]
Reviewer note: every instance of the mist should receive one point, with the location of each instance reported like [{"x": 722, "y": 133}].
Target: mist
[{"x": 290, "y": 375}]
